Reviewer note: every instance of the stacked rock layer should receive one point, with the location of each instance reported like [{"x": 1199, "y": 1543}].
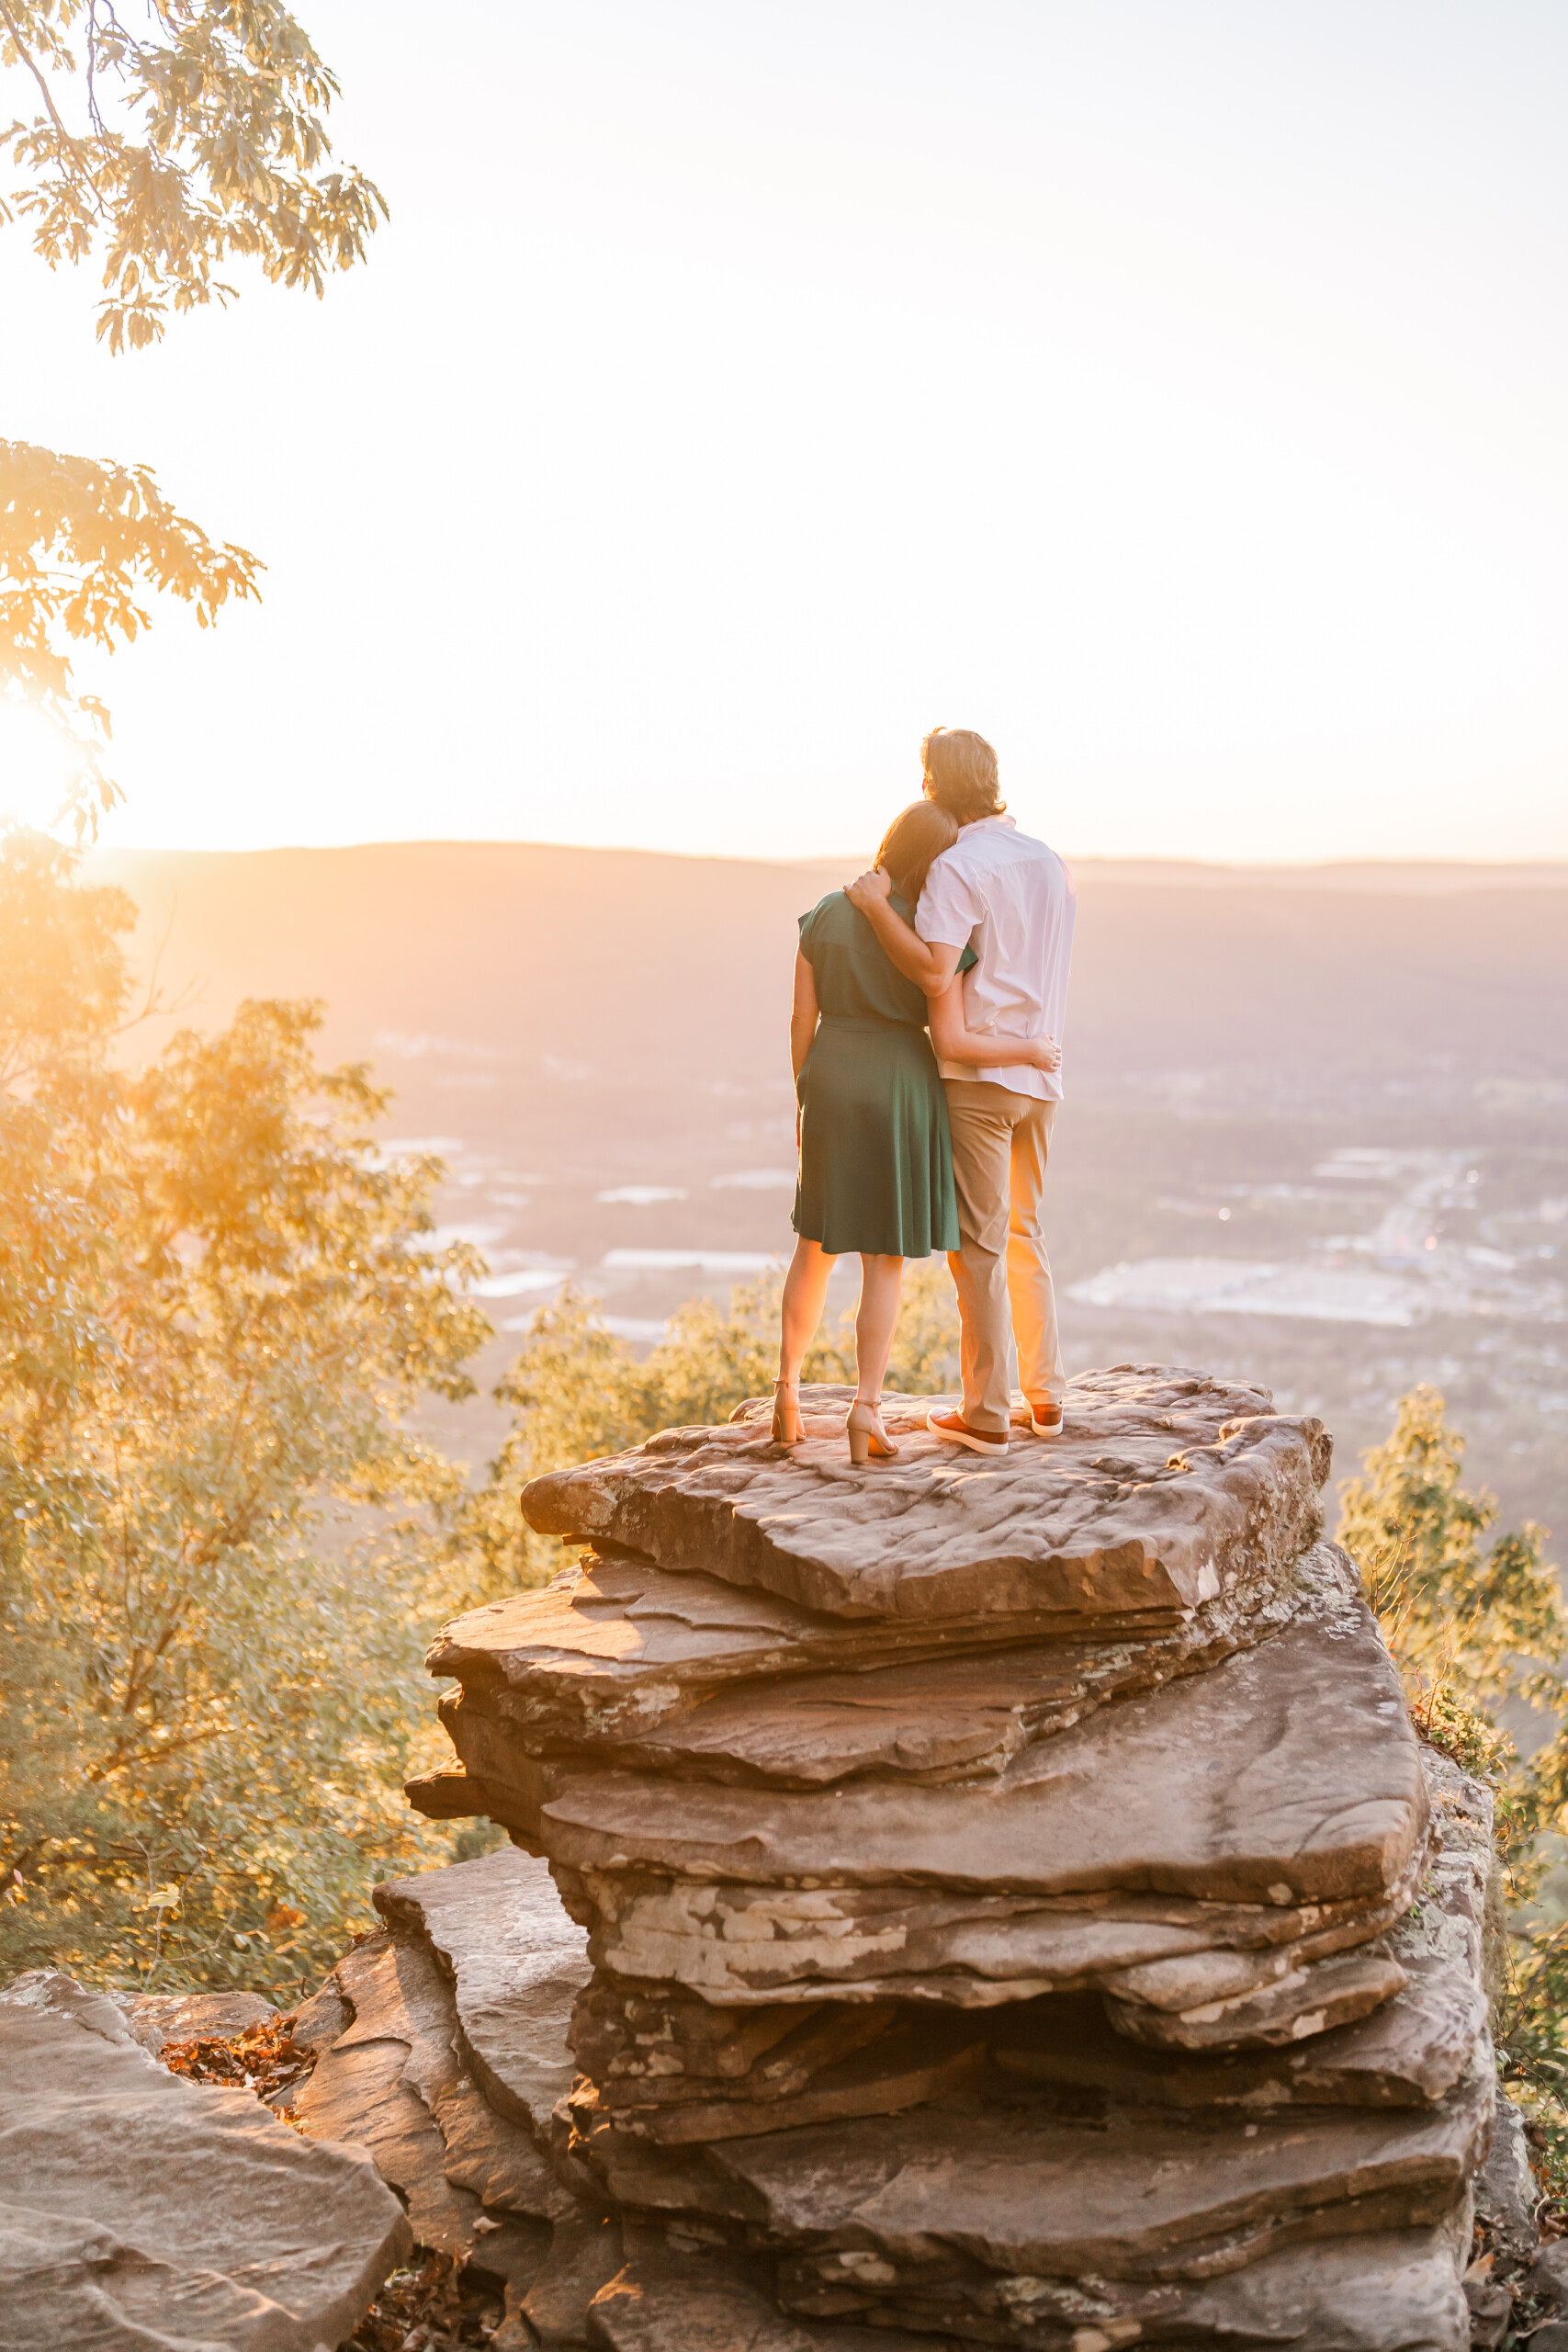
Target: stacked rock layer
[{"x": 1018, "y": 1909}]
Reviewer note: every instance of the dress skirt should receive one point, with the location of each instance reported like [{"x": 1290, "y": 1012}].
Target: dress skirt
[{"x": 876, "y": 1146}]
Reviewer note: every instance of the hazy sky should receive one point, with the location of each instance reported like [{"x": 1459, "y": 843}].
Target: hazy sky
[{"x": 1175, "y": 391}]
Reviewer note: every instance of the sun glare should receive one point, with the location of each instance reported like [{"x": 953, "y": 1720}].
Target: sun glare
[{"x": 38, "y": 764}]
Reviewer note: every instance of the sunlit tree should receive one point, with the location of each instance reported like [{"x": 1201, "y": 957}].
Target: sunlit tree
[
  {"x": 161, "y": 155},
  {"x": 219, "y": 1538},
  {"x": 1474, "y": 1624}
]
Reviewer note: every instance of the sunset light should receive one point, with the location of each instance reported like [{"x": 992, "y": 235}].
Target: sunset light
[
  {"x": 784, "y": 1174},
  {"x": 38, "y": 766}
]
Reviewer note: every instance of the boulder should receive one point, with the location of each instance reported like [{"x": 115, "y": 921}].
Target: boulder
[
  {"x": 158, "y": 2020},
  {"x": 705, "y": 2299},
  {"x": 1381, "y": 2292},
  {"x": 1286, "y": 1776},
  {"x": 1506, "y": 2189},
  {"x": 1373, "y": 2292},
  {"x": 395, "y": 2083},
  {"x": 1165, "y": 1489},
  {"x": 516, "y": 1964},
  {"x": 1274, "y": 1805},
  {"x": 684, "y": 1674},
  {"x": 920, "y": 2059},
  {"x": 144, "y": 2208},
  {"x": 1017, "y": 1908},
  {"x": 974, "y": 2186}
]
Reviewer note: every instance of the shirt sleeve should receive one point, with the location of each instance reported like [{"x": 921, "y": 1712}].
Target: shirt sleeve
[{"x": 949, "y": 909}]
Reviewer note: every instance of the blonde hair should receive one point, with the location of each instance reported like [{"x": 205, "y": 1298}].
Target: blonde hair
[
  {"x": 912, "y": 843},
  {"x": 961, "y": 773}
]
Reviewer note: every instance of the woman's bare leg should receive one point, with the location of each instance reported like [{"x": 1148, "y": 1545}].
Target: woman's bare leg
[
  {"x": 804, "y": 1296},
  {"x": 876, "y": 1319}
]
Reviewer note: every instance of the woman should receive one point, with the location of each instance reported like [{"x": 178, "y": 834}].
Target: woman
[{"x": 876, "y": 1151}]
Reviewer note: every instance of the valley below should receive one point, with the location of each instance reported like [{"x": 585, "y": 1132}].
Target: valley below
[{"x": 1315, "y": 1132}]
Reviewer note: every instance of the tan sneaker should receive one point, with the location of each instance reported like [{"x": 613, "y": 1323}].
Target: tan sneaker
[
  {"x": 1045, "y": 1421},
  {"x": 957, "y": 1431}
]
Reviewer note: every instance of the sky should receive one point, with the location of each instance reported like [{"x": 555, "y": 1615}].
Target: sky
[{"x": 1174, "y": 389}]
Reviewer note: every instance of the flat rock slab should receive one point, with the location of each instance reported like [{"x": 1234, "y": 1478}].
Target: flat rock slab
[
  {"x": 973, "y": 2186},
  {"x": 952, "y": 1717},
  {"x": 1283, "y": 1789},
  {"x": 707, "y": 2300},
  {"x": 158, "y": 2020},
  {"x": 516, "y": 1962},
  {"x": 614, "y": 1647},
  {"x": 143, "y": 2209},
  {"x": 655, "y": 2045},
  {"x": 395, "y": 2083},
  {"x": 1377, "y": 2292},
  {"x": 1409, "y": 2052},
  {"x": 1166, "y": 1489},
  {"x": 921, "y": 2060}
]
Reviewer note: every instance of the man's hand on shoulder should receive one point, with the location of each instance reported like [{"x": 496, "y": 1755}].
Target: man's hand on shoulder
[{"x": 868, "y": 890}]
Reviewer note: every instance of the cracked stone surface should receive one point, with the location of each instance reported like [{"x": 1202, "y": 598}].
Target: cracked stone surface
[
  {"x": 1008, "y": 2191},
  {"x": 612, "y": 1653},
  {"x": 516, "y": 1963},
  {"x": 703, "y": 2298},
  {"x": 156, "y": 2020},
  {"x": 143, "y": 2209},
  {"x": 1017, "y": 1908},
  {"x": 395, "y": 2083},
  {"x": 944, "y": 1718},
  {"x": 1380, "y": 2292},
  {"x": 1275, "y": 1803},
  {"x": 1383, "y": 2292},
  {"x": 1167, "y": 1489}
]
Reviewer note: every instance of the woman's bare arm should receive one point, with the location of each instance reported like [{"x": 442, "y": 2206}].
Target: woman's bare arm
[
  {"x": 984, "y": 1049},
  {"x": 803, "y": 1014}
]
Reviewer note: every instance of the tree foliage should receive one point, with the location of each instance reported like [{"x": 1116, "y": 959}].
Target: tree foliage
[
  {"x": 81, "y": 543},
  {"x": 167, "y": 154},
  {"x": 218, "y": 1535},
  {"x": 1476, "y": 1628},
  {"x": 162, "y": 155},
  {"x": 1490, "y": 1618}
]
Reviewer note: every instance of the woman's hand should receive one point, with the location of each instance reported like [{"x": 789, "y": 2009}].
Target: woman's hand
[{"x": 1043, "y": 1053}]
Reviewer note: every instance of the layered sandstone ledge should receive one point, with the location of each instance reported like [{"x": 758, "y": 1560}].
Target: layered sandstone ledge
[
  {"x": 955, "y": 1902},
  {"x": 1012, "y": 1905}
]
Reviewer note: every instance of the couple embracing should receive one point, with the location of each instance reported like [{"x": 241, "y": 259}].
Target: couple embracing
[{"x": 911, "y": 1142}]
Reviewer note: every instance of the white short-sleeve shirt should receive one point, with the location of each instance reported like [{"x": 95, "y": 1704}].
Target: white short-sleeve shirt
[{"x": 1013, "y": 901}]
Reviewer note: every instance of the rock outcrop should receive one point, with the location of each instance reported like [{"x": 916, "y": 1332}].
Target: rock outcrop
[
  {"x": 1012, "y": 1905},
  {"x": 141, "y": 2210}
]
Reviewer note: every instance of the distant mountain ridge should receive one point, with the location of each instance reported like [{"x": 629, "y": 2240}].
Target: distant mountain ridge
[{"x": 464, "y": 968}]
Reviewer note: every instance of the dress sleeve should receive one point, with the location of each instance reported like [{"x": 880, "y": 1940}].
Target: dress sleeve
[
  {"x": 949, "y": 908},
  {"x": 968, "y": 960},
  {"x": 805, "y": 921}
]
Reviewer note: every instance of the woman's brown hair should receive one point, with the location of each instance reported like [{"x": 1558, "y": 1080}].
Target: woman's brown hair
[
  {"x": 912, "y": 843},
  {"x": 961, "y": 773}
]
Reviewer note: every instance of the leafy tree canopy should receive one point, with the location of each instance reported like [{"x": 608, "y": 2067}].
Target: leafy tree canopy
[
  {"x": 220, "y": 1547},
  {"x": 81, "y": 542},
  {"x": 1477, "y": 1627},
  {"x": 161, "y": 155}
]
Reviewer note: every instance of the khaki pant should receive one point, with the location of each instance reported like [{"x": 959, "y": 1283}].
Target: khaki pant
[{"x": 1001, "y": 1142}]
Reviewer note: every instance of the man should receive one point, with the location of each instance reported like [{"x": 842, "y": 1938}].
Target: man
[{"x": 1013, "y": 900}]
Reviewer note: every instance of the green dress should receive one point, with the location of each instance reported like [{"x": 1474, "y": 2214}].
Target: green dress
[{"x": 875, "y": 1148}]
